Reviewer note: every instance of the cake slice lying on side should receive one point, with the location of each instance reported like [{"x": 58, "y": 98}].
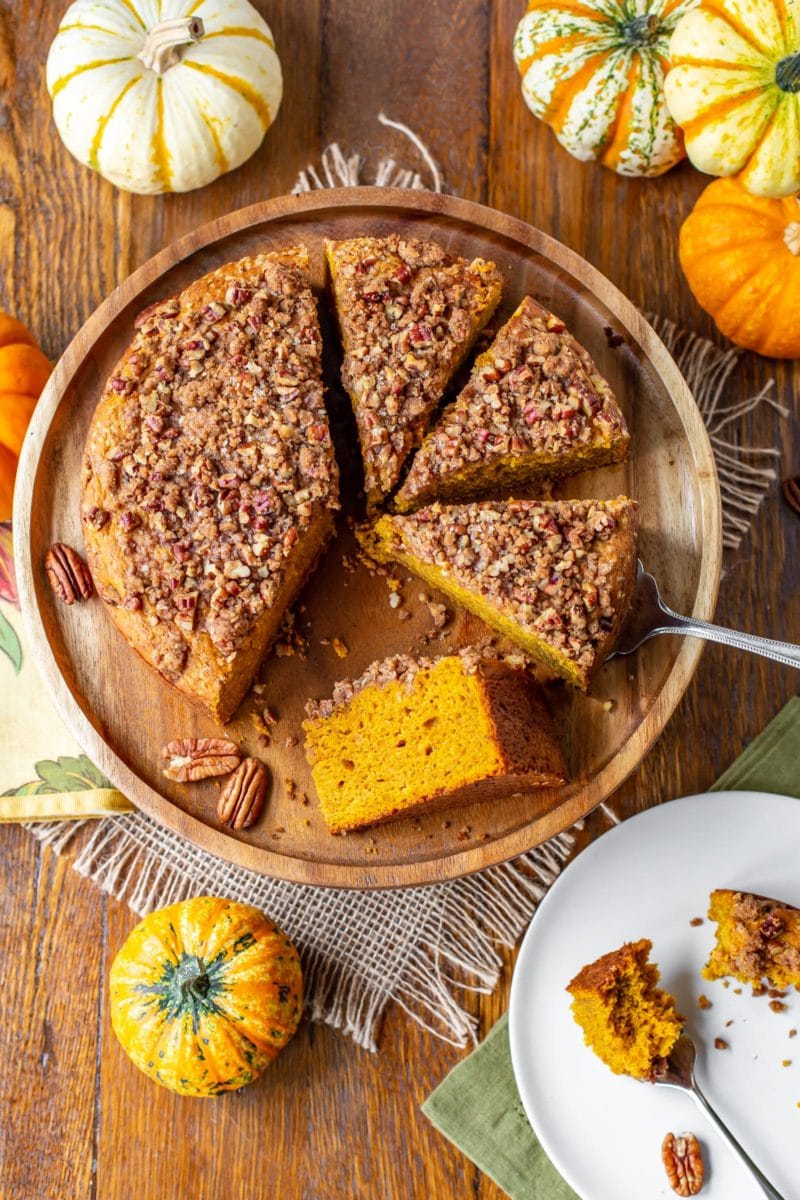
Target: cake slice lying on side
[
  {"x": 554, "y": 576},
  {"x": 627, "y": 1020},
  {"x": 413, "y": 735},
  {"x": 535, "y": 406},
  {"x": 757, "y": 939},
  {"x": 209, "y": 477},
  {"x": 408, "y": 314}
]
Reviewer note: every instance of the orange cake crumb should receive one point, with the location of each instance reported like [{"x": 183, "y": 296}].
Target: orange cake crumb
[
  {"x": 757, "y": 939},
  {"x": 416, "y": 734},
  {"x": 626, "y": 1019}
]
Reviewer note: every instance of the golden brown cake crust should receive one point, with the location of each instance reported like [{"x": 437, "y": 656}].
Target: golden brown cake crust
[
  {"x": 209, "y": 477},
  {"x": 408, "y": 313},
  {"x": 535, "y": 405}
]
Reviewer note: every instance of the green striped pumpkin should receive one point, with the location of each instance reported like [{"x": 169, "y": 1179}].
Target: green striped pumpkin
[
  {"x": 594, "y": 71},
  {"x": 163, "y": 95}
]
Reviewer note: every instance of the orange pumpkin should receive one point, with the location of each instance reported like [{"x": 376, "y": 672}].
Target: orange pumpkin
[
  {"x": 741, "y": 257},
  {"x": 24, "y": 371}
]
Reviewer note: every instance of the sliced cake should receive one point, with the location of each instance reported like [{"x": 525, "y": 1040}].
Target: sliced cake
[
  {"x": 554, "y": 576},
  {"x": 535, "y": 406},
  {"x": 757, "y": 939},
  {"x": 627, "y": 1020},
  {"x": 209, "y": 479},
  {"x": 408, "y": 314},
  {"x": 412, "y": 735}
]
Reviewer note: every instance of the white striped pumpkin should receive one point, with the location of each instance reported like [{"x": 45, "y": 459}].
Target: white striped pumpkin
[
  {"x": 734, "y": 88},
  {"x": 594, "y": 71},
  {"x": 163, "y": 95}
]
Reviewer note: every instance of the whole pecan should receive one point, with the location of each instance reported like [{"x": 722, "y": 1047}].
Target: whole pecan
[
  {"x": 200, "y": 758},
  {"x": 242, "y": 798},
  {"x": 68, "y": 574},
  {"x": 683, "y": 1162}
]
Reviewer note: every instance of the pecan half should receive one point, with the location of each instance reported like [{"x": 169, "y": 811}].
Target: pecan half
[
  {"x": 683, "y": 1162},
  {"x": 68, "y": 574},
  {"x": 242, "y": 798},
  {"x": 200, "y": 758}
]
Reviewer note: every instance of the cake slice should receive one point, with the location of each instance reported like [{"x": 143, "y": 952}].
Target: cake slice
[
  {"x": 408, "y": 314},
  {"x": 757, "y": 939},
  {"x": 209, "y": 477},
  {"x": 535, "y": 406},
  {"x": 413, "y": 735},
  {"x": 627, "y": 1020},
  {"x": 554, "y": 576}
]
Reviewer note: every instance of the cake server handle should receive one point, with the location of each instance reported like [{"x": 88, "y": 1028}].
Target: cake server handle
[
  {"x": 782, "y": 652},
  {"x": 726, "y": 1135}
]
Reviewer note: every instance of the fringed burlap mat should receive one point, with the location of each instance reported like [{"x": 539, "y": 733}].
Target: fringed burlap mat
[{"x": 417, "y": 948}]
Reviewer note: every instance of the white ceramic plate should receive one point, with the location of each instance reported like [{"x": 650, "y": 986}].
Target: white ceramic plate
[{"x": 648, "y": 878}]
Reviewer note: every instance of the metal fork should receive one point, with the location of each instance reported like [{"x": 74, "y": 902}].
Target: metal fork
[
  {"x": 677, "y": 1071},
  {"x": 649, "y": 616}
]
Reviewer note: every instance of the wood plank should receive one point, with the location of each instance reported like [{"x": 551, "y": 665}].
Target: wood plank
[{"x": 51, "y": 948}]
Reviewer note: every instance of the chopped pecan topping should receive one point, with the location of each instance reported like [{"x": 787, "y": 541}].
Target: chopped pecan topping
[
  {"x": 242, "y": 798},
  {"x": 221, "y": 459},
  {"x": 68, "y": 574},
  {"x": 683, "y": 1162},
  {"x": 191, "y": 759}
]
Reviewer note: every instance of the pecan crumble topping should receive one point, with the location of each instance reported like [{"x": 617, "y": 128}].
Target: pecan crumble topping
[
  {"x": 534, "y": 402},
  {"x": 409, "y": 313},
  {"x": 553, "y": 567},
  {"x": 210, "y": 456}
]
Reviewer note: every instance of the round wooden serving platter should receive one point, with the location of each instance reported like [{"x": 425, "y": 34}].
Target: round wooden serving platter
[{"x": 122, "y": 713}]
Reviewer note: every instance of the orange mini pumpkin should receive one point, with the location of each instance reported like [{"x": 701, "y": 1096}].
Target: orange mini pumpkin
[
  {"x": 741, "y": 257},
  {"x": 24, "y": 371}
]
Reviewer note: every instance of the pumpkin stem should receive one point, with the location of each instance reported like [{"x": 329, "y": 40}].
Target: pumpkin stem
[
  {"x": 787, "y": 73},
  {"x": 164, "y": 42},
  {"x": 641, "y": 30},
  {"x": 191, "y": 977},
  {"x": 791, "y": 235}
]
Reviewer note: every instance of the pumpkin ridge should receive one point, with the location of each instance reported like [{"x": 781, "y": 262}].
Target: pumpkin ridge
[
  {"x": 240, "y": 86},
  {"x": 240, "y": 31},
  {"x": 619, "y": 131},
  {"x": 745, "y": 286},
  {"x": 575, "y": 8},
  {"x": 718, "y": 9},
  {"x": 218, "y": 151},
  {"x": 61, "y": 83},
  {"x": 160, "y": 152},
  {"x": 567, "y": 89},
  {"x": 94, "y": 149},
  {"x": 134, "y": 12},
  {"x": 722, "y": 108}
]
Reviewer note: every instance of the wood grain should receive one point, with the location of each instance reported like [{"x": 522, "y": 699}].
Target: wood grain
[
  {"x": 97, "y": 681},
  {"x": 328, "y": 1122}
]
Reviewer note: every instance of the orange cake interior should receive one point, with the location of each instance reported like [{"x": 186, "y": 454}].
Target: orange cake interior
[
  {"x": 556, "y": 577},
  {"x": 209, "y": 480},
  {"x": 408, "y": 315},
  {"x": 535, "y": 406},
  {"x": 411, "y": 735},
  {"x": 627, "y": 1020},
  {"x": 757, "y": 939}
]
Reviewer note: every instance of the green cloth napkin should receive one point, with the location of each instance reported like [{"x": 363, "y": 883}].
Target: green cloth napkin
[{"x": 478, "y": 1106}]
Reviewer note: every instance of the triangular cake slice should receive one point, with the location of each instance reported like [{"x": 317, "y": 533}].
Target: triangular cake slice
[
  {"x": 209, "y": 479},
  {"x": 408, "y": 314},
  {"x": 535, "y": 406},
  {"x": 554, "y": 576}
]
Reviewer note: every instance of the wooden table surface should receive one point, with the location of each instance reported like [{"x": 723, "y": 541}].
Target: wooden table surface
[{"x": 328, "y": 1120}]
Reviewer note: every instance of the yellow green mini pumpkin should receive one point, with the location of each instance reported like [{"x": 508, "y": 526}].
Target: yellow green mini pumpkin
[
  {"x": 594, "y": 71},
  {"x": 205, "y": 994},
  {"x": 734, "y": 88}
]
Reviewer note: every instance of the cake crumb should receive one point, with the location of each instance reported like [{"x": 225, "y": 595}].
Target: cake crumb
[
  {"x": 608, "y": 705},
  {"x": 307, "y": 822},
  {"x": 439, "y": 613},
  {"x": 394, "y": 600},
  {"x": 725, "y": 983},
  {"x": 404, "y": 614},
  {"x": 720, "y": 1044},
  {"x": 737, "y": 991},
  {"x": 759, "y": 990},
  {"x": 729, "y": 1023},
  {"x": 776, "y": 994},
  {"x": 340, "y": 648},
  {"x": 777, "y": 1006},
  {"x": 703, "y": 1001},
  {"x": 695, "y": 921},
  {"x": 291, "y": 742},
  {"x": 787, "y": 1062},
  {"x": 792, "y": 1033}
]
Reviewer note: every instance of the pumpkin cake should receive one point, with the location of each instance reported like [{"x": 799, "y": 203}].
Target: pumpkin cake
[
  {"x": 535, "y": 406},
  {"x": 554, "y": 576},
  {"x": 413, "y": 735},
  {"x": 209, "y": 478},
  {"x": 627, "y": 1020},
  {"x": 408, "y": 314},
  {"x": 757, "y": 939}
]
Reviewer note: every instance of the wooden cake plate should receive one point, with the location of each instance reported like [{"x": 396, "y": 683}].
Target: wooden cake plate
[{"x": 122, "y": 713}]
